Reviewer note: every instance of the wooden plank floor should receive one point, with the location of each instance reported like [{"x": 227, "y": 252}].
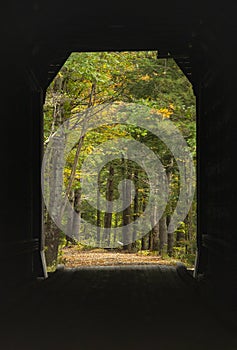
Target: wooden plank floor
[{"x": 114, "y": 308}]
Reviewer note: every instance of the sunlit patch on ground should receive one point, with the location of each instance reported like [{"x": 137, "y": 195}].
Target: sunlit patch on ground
[{"x": 73, "y": 257}]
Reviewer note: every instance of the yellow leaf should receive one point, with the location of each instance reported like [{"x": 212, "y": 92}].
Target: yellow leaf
[{"x": 145, "y": 77}]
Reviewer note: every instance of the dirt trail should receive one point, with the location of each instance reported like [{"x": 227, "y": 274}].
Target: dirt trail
[{"x": 73, "y": 257}]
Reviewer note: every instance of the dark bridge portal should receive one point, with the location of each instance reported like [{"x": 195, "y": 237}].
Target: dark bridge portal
[{"x": 38, "y": 38}]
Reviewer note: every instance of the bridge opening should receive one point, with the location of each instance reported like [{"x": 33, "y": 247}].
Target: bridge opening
[{"x": 100, "y": 81}]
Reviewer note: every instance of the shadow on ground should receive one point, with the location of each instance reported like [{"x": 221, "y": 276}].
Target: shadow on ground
[{"x": 114, "y": 308}]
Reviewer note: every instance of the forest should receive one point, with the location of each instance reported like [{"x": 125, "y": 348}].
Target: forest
[{"x": 88, "y": 81}]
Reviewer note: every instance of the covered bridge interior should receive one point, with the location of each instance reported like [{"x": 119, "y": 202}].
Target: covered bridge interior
[{"x": 38, "y": 38}]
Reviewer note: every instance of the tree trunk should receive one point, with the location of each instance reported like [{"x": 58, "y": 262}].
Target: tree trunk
[
  {"x": 154, "y": 234},
  {"x": 109, "y": 196},
  {"x": 51, "y": 230},
  {"x": 150, "y": 241},
  {"x": 144, "y": 241},
  {"x": 126, "y": 218},
  {"x": 170, "y": 242},
  {"x": 162, "y": 234},
  {"x": 77, "y": 215},
  {"x": 154, "y": 238},
  {"x": 135, "y": 210},
  {"x": 98, "y": 213},
  {"x": 180, "y": 236},
  {"x": 70, "y": 220},
  {"x": 52, "y": 239},
  {"x": 53, "y": 184}
]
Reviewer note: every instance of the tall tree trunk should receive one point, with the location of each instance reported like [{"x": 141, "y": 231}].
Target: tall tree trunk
[
  {"x": 170, "y": 242},
  {"x": 156, "y": 237},
  {"x": 189, "y": 219},
  {"x": 170, "y": 245},
  {"x": 180, "y": 236},
  {"x": 98, "y": 213},
  {"x": 126, "y": 218},
  {"x": 154, "y": 234},
  {"x": 188, "y": 232},
  {"x": 135, "y": 210},
  {"x": 144, "y": 240},
  {"x": 109, "y": 196},
  {"x": 77, "y": 216},
  {"x": 54, "y": 184},
  {"x": 52, "y": 239},
  {"x": 162, "y": 234},
  {"x": 70, "y": 220},
  {"x": 150, "y": 241},
  {"x": 170, "y": 235},
  {"x": 52, "y": 233}
]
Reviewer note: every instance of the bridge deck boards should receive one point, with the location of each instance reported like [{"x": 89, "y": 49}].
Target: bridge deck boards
[{"x": 129, "y": 308}]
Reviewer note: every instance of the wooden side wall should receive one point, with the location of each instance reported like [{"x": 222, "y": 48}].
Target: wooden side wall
[
  {"x": 217, "y": 183},
  {"x": 20, "y": 234}
]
